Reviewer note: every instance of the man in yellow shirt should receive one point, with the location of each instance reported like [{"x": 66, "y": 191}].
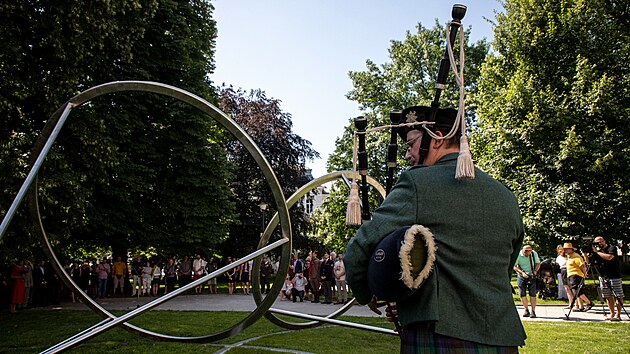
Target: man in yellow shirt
[
  {"x": 118, "y": 273},
  {"x": 576, "y": 272}
]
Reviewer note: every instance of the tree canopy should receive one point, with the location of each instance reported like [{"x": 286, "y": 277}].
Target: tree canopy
[
  {"x": 553, "y": 104},
  {"x": 271, "y": 129},
  {"x": 128, "y": 170}
]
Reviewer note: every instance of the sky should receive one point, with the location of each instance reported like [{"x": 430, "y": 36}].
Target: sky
[{"x": 300, "y": 52}]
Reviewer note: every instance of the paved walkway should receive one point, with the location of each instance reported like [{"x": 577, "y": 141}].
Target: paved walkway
[
  {"x": 220, "y": 302},
  {"x": 558, "y": 313},
  {"x": 246, "y": 303}
]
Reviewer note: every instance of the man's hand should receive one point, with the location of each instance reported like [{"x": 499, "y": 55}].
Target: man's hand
[
  {"x": 525, "y": 275},
  {"x": 392, "y": 312},
  {"x": 374, "y": 304}
]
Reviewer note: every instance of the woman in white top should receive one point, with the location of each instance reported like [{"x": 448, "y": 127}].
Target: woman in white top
[
  {"x": 157, "y": 278},
  {"x": 561, "y": 260},
  {"x": 340, "y": 281},
  {"x": 285, "y": 292},
  {"x": 146, "y": 278}
]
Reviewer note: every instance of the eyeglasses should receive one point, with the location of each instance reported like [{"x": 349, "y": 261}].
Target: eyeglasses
[{"x": 412, "y": 141}]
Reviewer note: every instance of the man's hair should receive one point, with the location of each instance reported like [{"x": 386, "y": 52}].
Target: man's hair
[{"x": 450, "y": 142}]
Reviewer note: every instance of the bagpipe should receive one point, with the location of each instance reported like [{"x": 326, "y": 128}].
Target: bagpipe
[{"x": 404, "y": 259}]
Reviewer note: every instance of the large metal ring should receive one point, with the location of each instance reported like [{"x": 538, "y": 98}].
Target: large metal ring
[
  {"x": 265, "y": 239},
  {"x": 226, "y": 122}
]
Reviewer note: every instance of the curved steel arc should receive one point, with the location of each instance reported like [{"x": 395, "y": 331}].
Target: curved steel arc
[
  {"x": 47, "y": 138},
  {"x": 334, "y": 321},
  {"x": 272, "y": 225}
]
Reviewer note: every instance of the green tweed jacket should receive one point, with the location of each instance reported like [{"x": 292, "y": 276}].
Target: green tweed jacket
[{"x": 478, "y": 231}]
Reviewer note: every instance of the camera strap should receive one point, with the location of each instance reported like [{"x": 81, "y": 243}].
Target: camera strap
[{"x": 531, "y": 264}]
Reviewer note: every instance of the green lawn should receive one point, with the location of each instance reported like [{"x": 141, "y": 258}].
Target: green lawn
[{"x": 36, "y": 330}]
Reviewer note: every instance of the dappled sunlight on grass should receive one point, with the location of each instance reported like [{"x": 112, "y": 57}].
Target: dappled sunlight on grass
[{"x": 35, "y": 330}]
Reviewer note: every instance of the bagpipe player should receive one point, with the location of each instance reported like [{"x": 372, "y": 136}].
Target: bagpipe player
[{"x": 472, "y": 232}]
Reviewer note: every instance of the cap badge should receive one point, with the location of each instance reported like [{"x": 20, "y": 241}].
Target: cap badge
[{"x": 411, "y": 117}]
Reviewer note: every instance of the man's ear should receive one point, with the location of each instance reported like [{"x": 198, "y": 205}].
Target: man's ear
[{"x": 437, "y": 143}]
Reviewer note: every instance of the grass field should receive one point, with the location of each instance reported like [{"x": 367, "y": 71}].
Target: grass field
[{"x": 33, "y": 331}]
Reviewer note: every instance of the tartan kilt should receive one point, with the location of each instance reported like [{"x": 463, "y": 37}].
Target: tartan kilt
[{"x": 419, "y": 338}]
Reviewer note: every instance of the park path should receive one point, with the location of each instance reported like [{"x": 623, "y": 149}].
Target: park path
[{"x": 223, "y": 302}]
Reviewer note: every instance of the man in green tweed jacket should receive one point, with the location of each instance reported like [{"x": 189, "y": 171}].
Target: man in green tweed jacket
[{"x": 478, "y": 231}]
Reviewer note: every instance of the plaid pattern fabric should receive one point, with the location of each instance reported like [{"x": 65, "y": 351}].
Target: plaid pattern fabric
[
  {"x": 615, "y": 284},
  {"x": 416, "y": 339}
]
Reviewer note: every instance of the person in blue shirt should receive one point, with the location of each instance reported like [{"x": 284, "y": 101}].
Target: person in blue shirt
[{"x": 526, "y": 267}]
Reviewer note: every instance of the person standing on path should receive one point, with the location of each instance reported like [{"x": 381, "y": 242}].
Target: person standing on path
[
  {"x": 103, "y": 270},
  {"x": 526, "y": 268},
  {"x": 606, "y": 258},
  {"x": 576, "y": 272},
  {"x": 340, "y": 280}
]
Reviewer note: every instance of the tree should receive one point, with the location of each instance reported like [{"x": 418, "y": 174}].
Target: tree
[
  {"x": 128, "y": 170},
  {"x": 43, "y": 47},
  {"x": 408, "y": 79},
  {"x": 329, "y": 231},
  {"x": 271, "y": 129},
  {"x": 553, "y": 105}
]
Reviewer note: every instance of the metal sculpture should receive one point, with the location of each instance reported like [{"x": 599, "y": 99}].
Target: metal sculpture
[{"x": 47, "y": 139}]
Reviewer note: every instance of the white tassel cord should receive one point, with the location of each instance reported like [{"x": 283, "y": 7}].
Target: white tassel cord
[
  {"x": 465, "y": 166},
  {"x": 353, "y": 211}
]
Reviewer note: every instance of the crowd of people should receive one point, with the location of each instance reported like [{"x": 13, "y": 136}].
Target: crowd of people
[
  {"x": 307, "y": 279},
  {"x": 313, "y": 278},
  {"x": 30, "y": 283},
  {"x": 599, "y": 258},
  {"x": 35, "y": 283}
]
